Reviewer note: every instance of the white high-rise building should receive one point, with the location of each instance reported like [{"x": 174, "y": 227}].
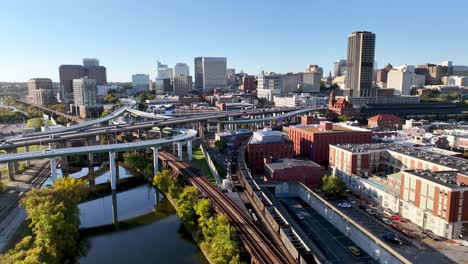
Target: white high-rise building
[
  {"x": 164, "y": 71},
  {"x": 140, "y": 83},
  {"x": 311, "y": 79},
  {"x": 269, "y": 85},
  {"x": 181, "y": 69},
  {"x": 210, "y": 73},
  {"x": 84, "y": 92},
  {"x": 403, "y": 78},
  {"x": 456, "y": 80}
]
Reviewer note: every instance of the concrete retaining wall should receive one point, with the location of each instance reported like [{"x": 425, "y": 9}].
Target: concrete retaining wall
[
  {"x": 375, "y": 247},
  {"x": 211, "y": 165}
]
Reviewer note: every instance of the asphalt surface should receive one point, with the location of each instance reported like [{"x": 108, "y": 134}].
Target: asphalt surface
[
  {"x": 330, "y": 241},
  {"x": 410, "y": 248}
]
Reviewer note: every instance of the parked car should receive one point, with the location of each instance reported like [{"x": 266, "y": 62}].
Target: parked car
[
  {"x": 370, "y": 211},
  {"x": 432, "y": 235},
  {"x": 396, "y": 227},
  {"x": 344, "y": 205},
  {"x": 397, "y": 218},
  {"x": 393, "y": 238},
  {"x": 386, "y": 221},
  {"x": 388, "y": 212},
  {"x": 465, "y": 243},
  {"x": 354, "y": 250},
  {"x": 408, "y": 233}
]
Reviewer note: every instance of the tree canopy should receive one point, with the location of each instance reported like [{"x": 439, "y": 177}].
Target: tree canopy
[
  {"x": 332, "y": 185},
  {"x": 35, "y": 123},
  {"x": 53, "y": 216}
]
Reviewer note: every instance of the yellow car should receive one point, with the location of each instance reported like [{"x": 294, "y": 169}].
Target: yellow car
[{"x": 354, "y": 250}]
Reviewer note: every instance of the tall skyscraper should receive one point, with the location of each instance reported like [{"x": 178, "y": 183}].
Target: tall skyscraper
[
  {"x": 182, "y": 84},
  {"x": 181, "y": 69},
  {"x": 231, "y": 77},
  {"x": 140, "y": 83},
  {"x": 39, "y": 83},
  {"x": 41, "y": 91},
  {"x": 164, "y": 71},
  {"x": 68, "y": 73},
  {"x": 210, "y": 73},
  {"x": 84, "y": 92},
  {"x": 339, "y": 68},
  {"x": 97, "y": 73},
  {"x": 90, "y": 62},
  {"x": 360, "y": 63}
]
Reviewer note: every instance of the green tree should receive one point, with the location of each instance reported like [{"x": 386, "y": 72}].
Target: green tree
[
  {"x": 33, "y": 112},
  {"x": 105, "y": 112},
  {"x": 332, "y": 185},
  {"x": 203, "y": 210},
  {"x": 163, "y": 181},
  {"x": 53, "y": 216},
  {"x": 185, "y": 206},
  {"x": 35, "y": 123},
  {"x": 219, "y": 240},
  {"x": 9, "y": 100},
  {"x": 111, "y": 98},
  {"x": 135, "y": 162}
]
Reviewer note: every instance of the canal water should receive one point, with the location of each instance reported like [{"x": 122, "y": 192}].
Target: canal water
[{"x": 148, "y": 229}]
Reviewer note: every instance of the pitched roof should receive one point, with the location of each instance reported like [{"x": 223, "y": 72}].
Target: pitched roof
[{"x": 385, "y": 117}]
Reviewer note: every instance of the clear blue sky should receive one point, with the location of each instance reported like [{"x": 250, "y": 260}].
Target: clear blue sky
[{"x": 277, "y": 35}]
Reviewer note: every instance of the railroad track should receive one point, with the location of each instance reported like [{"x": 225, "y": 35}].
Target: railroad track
[{"x": 253, "y": 238}]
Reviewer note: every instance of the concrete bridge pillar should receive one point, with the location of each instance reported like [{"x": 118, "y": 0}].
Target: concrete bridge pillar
[
  {"x": 26, "y": 149},
  {"x": 90, "y": 158},
  {"x": 112, "y": 170},
  {"x": 115, "y": 217},
  {"x": 11, "y": 173},
  {"x": 53, "y": 169},
  {"x": 155, "y": 159},
  {"x": 189, "y": 149},
  {"x": 15, "y": 163},
  {"x": 64, "y": 159},
  {"x": 179, "y": 150},
  {"x": 219, "y": 126}
]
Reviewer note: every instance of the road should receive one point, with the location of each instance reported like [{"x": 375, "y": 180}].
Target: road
[{"x": 185, "y": 134}]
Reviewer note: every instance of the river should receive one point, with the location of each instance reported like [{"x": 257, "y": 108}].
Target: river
[{"x": 149, "y": 231}]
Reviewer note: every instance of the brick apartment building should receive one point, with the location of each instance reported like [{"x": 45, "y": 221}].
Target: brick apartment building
[
  {"x": 267, "y": 144},
  {"x": 313, "y": 141},
  {"x": 305, "y": 171},
  {"x": 428, "y": 188}
]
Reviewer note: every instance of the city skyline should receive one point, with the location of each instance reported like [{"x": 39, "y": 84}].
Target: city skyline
[{"x": 48, "y": 35}]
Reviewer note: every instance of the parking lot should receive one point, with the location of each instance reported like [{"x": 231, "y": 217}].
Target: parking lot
[
  {"x": 410, "y": 248},
  {"x": 333, "y": 244}
]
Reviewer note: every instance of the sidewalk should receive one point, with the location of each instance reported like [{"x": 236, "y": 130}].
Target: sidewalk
[{"x": 11, "y": 214}]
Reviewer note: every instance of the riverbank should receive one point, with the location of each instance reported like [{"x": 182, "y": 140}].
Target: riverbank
[{"x": 191, "y": 232}]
